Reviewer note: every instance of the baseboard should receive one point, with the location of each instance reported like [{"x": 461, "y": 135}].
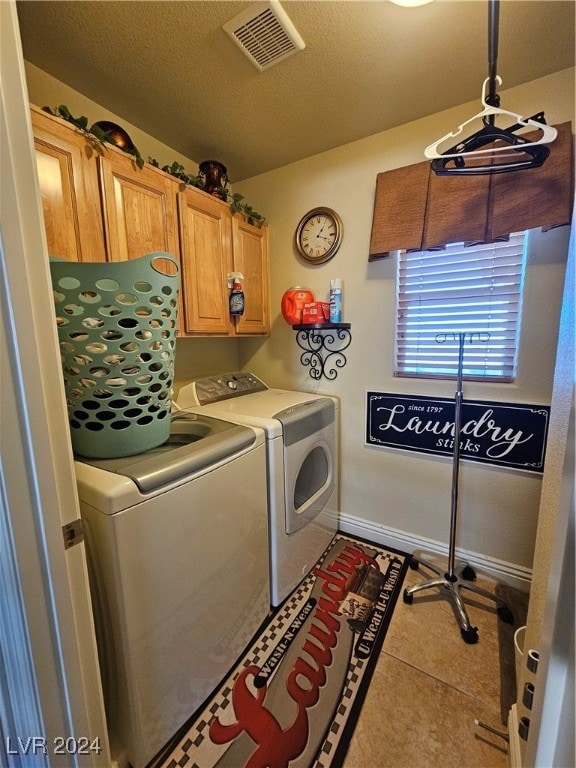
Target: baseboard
[{"x": 498, "y": 570}]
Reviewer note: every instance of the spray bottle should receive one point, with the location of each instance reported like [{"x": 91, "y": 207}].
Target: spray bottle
[
  {"x": 336, "y": 301},
  {"x": 236, "y": 300}
]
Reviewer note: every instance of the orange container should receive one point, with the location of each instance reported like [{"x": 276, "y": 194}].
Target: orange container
[{"x": 293, "y": 302}]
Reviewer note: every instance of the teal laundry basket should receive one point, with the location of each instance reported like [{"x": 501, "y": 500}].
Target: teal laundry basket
[{"x": 117, "y": 331}]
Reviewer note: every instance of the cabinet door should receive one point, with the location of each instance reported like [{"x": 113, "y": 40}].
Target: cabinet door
[
  {"x": 205, "y": 241},
  {"x": 139, "y": 208},
  {"x": 250, "y": 257},
  {"x": 68, "y": 180}
]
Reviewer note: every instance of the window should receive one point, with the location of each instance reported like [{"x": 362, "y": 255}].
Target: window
[{"x": 460, "y": 289}]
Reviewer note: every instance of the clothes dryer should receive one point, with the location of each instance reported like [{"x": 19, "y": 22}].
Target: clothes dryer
[
  {"x": 302, "y": 464},
  {"x": 177, "y": 544}
]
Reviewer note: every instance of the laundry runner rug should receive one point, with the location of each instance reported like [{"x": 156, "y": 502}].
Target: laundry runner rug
[{"x": 294, "y": 698}]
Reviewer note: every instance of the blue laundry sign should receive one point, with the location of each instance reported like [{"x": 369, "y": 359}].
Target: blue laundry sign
[{"x": 504, "y": 434}]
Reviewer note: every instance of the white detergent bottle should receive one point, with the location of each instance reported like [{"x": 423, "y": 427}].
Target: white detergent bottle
[{"x": 336, "y": 301}]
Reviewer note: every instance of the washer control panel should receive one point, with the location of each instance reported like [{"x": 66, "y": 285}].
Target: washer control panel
[{"x": 220, "y": 387}]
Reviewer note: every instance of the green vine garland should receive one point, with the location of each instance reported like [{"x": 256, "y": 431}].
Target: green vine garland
[
  {"x": 95, "y": 135},
  {"x": 99, "y": 138},
  {"x": 233, "y": 198}
]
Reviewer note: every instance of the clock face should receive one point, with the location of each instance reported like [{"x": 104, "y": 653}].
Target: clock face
[{"x": 318, "y": 235}]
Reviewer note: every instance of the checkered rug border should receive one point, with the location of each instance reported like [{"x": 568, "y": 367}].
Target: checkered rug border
[{"x": 196, "y": 750}]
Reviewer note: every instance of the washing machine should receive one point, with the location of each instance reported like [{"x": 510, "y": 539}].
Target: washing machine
[
  {"x": 177, "y": 545},
  {"x": 302, "y": 456}
]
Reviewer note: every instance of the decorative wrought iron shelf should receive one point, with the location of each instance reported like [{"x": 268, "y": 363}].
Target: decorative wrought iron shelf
[{"x": 323, "y": 345}]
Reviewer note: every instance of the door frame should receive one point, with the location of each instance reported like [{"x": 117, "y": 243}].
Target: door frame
[
  {"x": 550, "y": 629},
  {"x": 52, "y": 696}
]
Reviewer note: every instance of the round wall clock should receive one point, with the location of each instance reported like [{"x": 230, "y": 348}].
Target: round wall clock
[{"x": 319, "y": 235}]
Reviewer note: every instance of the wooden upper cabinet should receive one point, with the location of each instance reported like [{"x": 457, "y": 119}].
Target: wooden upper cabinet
[
  {"x": 99, "y": 206},
  {"x": 205, "y": 232},
  {"x": 250, "y": 257},
  {"x": 66, "y": 164},
  {"x": 139, "y": 208}
]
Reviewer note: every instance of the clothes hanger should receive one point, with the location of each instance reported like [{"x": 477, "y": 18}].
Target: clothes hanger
[
  {"x": 491, "y": 132},
  {"x": 492, "y": 149}
]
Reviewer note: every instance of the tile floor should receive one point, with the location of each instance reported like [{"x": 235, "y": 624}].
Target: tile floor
[{"x": 429, "y": 686}]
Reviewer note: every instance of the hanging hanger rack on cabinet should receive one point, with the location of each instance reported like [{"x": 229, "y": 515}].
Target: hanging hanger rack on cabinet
[{"x": 507, "y": 150}]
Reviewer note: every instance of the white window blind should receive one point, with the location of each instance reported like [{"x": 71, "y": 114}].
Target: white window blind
[{"x": 475, "y": 289}]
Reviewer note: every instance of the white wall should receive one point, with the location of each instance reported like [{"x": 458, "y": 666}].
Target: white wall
[
  {"x": 389, "y": 490},
  {"x": 411, "y": 493},
  {"x": 45, "y": 91}
]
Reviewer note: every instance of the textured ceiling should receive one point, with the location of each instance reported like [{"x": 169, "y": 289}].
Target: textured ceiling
[{"x": 368, "y": 66}]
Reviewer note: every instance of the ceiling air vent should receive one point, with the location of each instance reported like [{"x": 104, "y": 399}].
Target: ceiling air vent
[{"x": 265, "y": 34}]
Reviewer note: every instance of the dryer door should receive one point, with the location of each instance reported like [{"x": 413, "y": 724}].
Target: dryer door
[{"x": 309, "y": 437}]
